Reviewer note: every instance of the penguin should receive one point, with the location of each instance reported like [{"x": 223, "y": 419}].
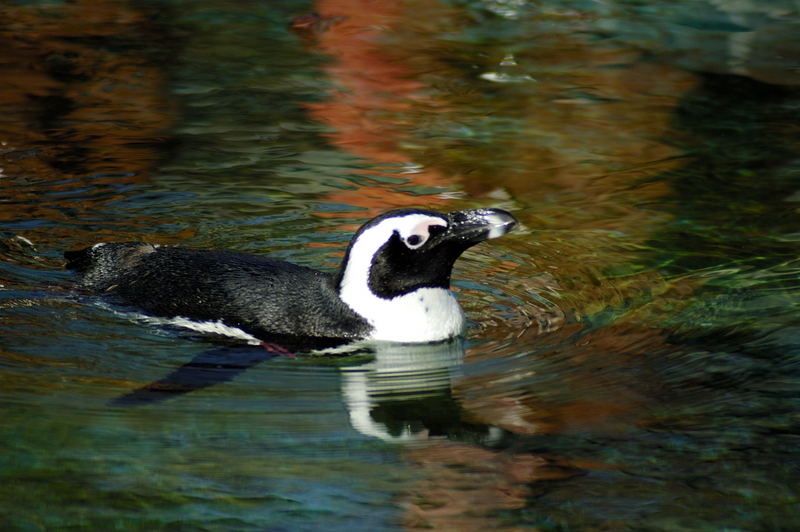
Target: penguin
[{"x": 393, "y": 284}]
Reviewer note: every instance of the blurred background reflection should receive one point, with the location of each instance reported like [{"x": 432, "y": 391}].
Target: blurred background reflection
[{"x": 632, "y": 359}]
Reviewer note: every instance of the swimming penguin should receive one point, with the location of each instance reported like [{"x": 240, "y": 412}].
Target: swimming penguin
[{"x": 393, "y": 284}]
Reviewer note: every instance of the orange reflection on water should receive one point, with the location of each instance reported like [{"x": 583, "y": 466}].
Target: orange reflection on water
[
  {"x": 465, "y": 485},
  {"x": 83, "y": 112},
  {"x": 466, "y": 488},
  {"x": 375, "y": 93},
  {"x": 573, "y": 386}
]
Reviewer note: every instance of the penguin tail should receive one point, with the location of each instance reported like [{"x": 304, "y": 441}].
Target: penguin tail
[{"x": 79, "y": 260}]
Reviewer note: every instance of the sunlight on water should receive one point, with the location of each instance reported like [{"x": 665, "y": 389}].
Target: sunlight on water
[{"x": 632, "y": 358}]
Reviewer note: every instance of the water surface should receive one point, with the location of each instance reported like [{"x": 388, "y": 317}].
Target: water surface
[{"x": 633, "y": 357}]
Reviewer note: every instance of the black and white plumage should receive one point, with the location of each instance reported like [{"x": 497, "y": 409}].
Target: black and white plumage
[{"x": 393, "y": 284}]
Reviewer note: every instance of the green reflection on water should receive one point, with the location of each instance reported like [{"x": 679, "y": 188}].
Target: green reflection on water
[{"x": 120, "y": 470}]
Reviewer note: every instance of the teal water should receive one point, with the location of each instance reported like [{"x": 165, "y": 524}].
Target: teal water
[{"x": 633, "y": 357}]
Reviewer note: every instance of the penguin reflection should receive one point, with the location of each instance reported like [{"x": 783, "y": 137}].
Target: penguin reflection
[
  {"x": 405, "y": 393},
  {"x": 402, "y": 394}
]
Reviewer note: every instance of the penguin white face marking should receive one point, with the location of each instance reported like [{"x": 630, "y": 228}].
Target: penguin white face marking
[
  {"x": 402, "y": 318},
  {"x": 420, "y": 233},
  {"x": 414, "y": 230}
]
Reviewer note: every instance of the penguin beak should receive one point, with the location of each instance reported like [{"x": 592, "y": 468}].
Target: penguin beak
[{"x": 476, "y": 225}]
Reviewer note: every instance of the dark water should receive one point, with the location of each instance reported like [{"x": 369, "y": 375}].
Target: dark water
[{"x": 633, "y": 361}]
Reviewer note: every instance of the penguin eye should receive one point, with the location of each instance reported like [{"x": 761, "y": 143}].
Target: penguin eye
[
  {"x": 421, "y": 232},
  {"x": 414, "y": 241}
]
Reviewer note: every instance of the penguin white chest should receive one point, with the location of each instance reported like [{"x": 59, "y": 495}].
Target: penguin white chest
[{"x": 424, "y": 315}]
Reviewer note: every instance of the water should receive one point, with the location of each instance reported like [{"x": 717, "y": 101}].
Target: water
[{"x": 632, "y": 361}]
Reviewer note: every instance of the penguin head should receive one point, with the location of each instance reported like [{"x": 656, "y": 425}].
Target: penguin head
[{"x": 406, "y": 256}]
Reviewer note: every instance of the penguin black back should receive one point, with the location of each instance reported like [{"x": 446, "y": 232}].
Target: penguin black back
[{"x": 264, "y": 297}]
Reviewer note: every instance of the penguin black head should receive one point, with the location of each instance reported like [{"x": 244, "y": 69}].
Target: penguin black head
[{"x": 398, "y": 266}]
